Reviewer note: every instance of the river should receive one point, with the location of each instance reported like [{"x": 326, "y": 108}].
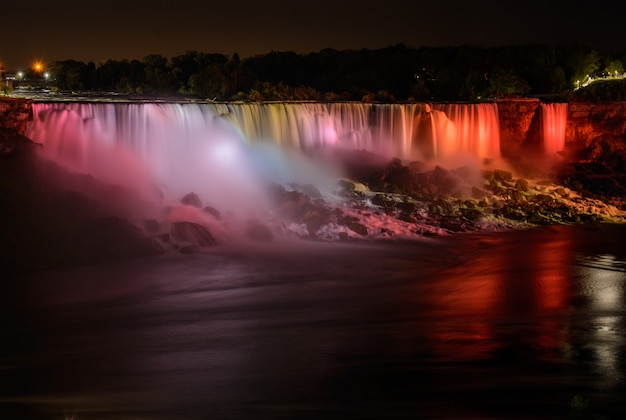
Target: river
[{"x": 518, "y": 324}]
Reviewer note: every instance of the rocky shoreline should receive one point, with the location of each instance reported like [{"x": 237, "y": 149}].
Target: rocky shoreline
[{"x": 389, "y": 199}]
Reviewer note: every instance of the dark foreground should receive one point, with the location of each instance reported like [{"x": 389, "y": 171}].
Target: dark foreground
[{"x": 522, "y": 324}]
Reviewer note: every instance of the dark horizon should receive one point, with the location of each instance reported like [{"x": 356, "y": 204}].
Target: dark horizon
[{"x": 121, "y": 30}]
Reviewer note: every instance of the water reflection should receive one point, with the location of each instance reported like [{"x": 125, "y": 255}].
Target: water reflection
[{"x": 478, "y": 326}]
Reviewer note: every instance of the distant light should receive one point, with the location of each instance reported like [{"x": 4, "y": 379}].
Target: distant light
[
  {"x": 20, "y": 74},
  {"x": 38, "y": 66},
  {"x": 46, "y": 75}
]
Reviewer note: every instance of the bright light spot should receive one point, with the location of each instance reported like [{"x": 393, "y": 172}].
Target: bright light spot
[
  {"x": 46, "y": 75},
  {"x": 224, "y": 152},
  {"x": 330, "y": 135},
  {"x": 20, "y": 74}
]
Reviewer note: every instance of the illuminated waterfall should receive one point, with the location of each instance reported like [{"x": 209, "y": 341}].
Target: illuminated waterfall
[
  {"x": 206, "y": 148},
  {"x": 554, "y": 121},
  {"x": 387, "y": 129},
  {"x": 473, "y": 129}
]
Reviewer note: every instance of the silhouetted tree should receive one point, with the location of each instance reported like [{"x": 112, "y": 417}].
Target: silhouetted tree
[
  {"x": 581, "y": 61},
  {"x": 505, "y": 82},
  {"x": 159, "y": 79},
  {"x": 394, "y": 73},
  {"x": 192, "y": 62},
  {"x": 72, "y": 75}
]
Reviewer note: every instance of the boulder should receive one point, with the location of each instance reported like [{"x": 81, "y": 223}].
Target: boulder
[
  {"x": 192, "y": 233},
  {"x": 192, "y": 199},
  {"x": 357, "y": 227},
  {"x": 258, "y": 231}
]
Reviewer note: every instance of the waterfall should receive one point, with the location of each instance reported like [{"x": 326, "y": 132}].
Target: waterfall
[
  {"x": 177, "y": 148},
  {"x": 209, "y": 148},
  {"x": 554, "y": 119},
  {"x": 466, "y": 128},
  {"x": 386, "y": 129}
]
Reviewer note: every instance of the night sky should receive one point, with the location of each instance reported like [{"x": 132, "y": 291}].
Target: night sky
[{"x": 83, "y": 30}]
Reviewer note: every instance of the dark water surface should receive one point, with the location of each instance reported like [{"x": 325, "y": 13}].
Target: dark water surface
[{"x": 520, "y": 324}]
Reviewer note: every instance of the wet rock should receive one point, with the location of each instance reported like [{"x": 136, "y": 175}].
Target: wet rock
[
  {"x": 311, "y": 190},
  {"x": 192, "y": 199},
  {"x": 357, "y": 227},
  {"x": 383, "y": 201},
  {"x": 537, "y": 218},
  {"x": 452, "y": 225},
  {"x": 443, "y": 179},
  {"x": 345, "y": 188},
  {"x": 315, "y": 218},
  {"x": 502, "y": 175},
  {"x": 258, "y": 231},
  {"x": 543, "y": 199},
  {"x": 511, "y": 213},
  {"x": 374, "y": 181},
  {"x": 189, "y": 249},
  {"x": 407, "y": 217},
  {"x": 213, "y": 212},
  {"x": 151, "y": 225},
  {"x": 193, "y": 233},
  {"x": 399, "y": 176},
  {"x": 478, "y": 193},
  {"x": 406, "y": 206},
  {"x": 472, "y": 214},
  {"x": 522, "y": 185}
]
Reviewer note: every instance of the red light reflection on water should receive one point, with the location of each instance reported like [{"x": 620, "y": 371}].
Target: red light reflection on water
[{"x": 517, "y": 294}]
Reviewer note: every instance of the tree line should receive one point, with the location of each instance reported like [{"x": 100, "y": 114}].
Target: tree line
[{"x": 393, "y": 74}]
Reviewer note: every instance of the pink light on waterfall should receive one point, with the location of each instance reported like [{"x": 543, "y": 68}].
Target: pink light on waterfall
[
  {"x": 175, "y": 148},
  {"x": 554, "y": 119},
  {"x": 219, "y": 151}
]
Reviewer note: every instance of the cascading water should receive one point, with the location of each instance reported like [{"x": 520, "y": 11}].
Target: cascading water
[
  {"x": 472, "y": 129},
  {"x": 209, "y": 148},
  {"x": 385, "y": 129},
  {"x": 554, "y": 119}
]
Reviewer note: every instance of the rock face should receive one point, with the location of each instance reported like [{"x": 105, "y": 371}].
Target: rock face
[
  {"x": 586, "y": 123},
  {"x": 517, "y": 120},
  {"x": 15, "y": 114}
]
